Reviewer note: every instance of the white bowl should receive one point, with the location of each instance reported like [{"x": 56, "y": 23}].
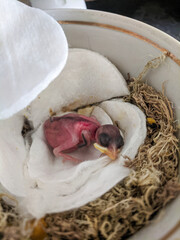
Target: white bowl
[{"x": 130, "y": 44}]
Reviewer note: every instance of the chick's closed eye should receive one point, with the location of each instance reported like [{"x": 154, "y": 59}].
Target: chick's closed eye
[{"x": 104, "y": 139}]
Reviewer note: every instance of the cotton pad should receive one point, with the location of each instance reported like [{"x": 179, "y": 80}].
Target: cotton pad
[{"x": 33, "y": 51}]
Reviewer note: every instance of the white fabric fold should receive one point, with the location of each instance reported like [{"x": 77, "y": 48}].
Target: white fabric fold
[
  {"x": 73, "y": 185},
  {"x": 87, "y": 78}
]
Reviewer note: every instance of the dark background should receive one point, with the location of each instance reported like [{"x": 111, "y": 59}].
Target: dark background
[{"x": 164, "y": 15}]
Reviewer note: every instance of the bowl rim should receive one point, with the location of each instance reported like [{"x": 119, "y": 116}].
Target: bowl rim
[{"x": 93, "y": 19}]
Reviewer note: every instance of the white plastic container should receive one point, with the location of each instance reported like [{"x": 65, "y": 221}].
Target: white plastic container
[{"x": 53, "y": 4}]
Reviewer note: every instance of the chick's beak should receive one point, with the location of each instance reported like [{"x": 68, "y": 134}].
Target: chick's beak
[{"x": 111, "y": 152}]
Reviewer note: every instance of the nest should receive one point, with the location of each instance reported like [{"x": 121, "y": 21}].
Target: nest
[{"x": 133, "y": 202}]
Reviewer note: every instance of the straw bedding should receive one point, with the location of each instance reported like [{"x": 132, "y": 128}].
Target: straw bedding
[{"x": 133, "y": 202}]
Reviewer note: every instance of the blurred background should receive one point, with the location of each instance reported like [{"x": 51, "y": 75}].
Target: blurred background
[{"x": 162, "y": 14}]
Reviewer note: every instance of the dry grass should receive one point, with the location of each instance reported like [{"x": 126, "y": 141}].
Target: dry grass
[{"x": 133, "y": 202}]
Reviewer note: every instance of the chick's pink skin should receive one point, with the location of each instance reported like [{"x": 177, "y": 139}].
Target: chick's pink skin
[{"x": 70, "y": 132}]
